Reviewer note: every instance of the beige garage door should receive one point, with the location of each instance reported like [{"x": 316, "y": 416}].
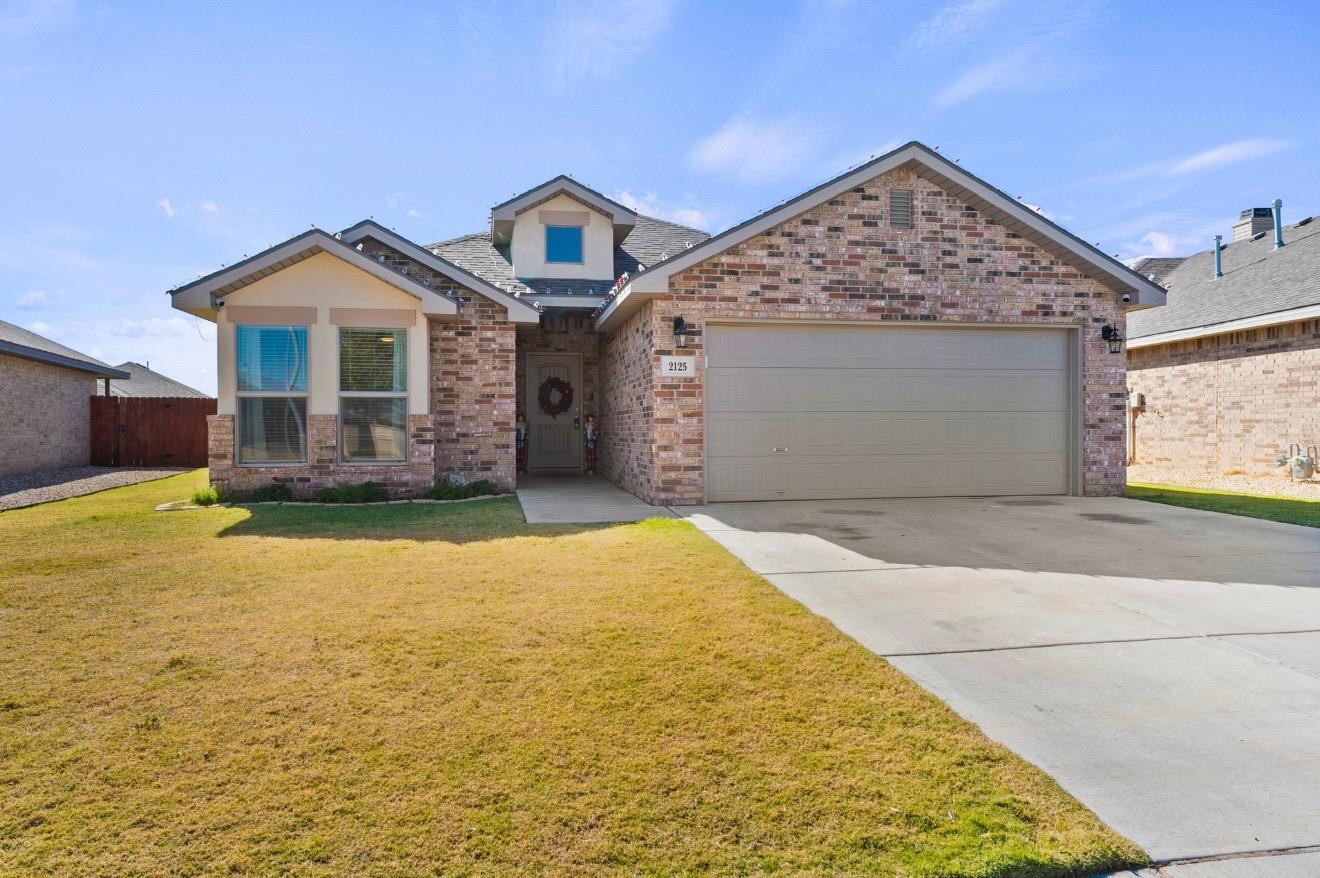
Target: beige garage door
[{"x": 817, "y": 412}]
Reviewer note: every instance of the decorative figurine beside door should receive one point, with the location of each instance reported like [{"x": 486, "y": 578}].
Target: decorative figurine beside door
[
  {"x": 590, "y": 435},
  {"x": 520, "y": 441}
]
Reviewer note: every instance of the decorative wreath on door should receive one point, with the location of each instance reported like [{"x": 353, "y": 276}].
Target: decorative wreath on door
[{"x": 555, "y": 396}]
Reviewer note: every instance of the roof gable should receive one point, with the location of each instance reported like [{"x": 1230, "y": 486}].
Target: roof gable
[
  {"x": 994, "y": 204},
  {"x": 202, "y": 295},
  {"x": 503, "y": 215},
  {"x": 518, "y": 310}
]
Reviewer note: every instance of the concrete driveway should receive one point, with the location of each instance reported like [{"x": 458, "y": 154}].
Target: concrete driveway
[{"x": 1162, "y": 664}]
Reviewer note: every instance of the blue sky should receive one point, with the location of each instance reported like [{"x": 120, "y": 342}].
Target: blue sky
[{"x": 146, "y": 143}]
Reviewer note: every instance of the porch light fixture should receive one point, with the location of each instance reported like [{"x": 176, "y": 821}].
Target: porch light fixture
[
  {"x": 1109, "y": 332},
  {"x": 680, "y": 332}
]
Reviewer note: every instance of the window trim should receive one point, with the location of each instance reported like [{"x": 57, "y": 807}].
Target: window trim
[
  {"x": 239, "y": 395},
  {"x": 342, "y": 394},
  {"x": 582, "y": 245}
]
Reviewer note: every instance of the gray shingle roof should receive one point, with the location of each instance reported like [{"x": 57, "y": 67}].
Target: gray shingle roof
[
  {"x": 145, "y": 382},
  {"x": 1158, "y": 266},
  {"x": 20, "y": 342},
  {"x": 650, "y": 240},
  {"x": 1258, "y": 280}
]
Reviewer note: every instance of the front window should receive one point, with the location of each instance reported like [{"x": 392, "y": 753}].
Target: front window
[
  {"x": 373, "y": 395},
  {"x": 272, "y": 394},
  {"x": 563, "y": 243}
]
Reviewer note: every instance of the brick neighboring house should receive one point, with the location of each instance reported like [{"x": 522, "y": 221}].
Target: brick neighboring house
[
  {"x": 45, "y": 395},
  {"x": 904, "y": 329},
  {"x": 1229, "y": 368}
]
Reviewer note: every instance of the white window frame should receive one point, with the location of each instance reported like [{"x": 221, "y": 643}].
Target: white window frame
[
  {"x": 239, "y": 395},
  {"x": 582, "y": 244},
  {"x": 374, "y": 394}
]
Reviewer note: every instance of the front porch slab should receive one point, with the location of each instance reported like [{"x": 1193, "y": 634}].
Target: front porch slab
[{"x": 579, "y": 499}]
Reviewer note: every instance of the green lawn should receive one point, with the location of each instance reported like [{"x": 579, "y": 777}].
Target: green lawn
[
  {"x": 1286, "y": 509},
  {"x": 446, "y": 690}
]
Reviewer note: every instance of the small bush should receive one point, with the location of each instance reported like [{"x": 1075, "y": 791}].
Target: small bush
[
  {"x": 274, "y": 492},
  {"x": 453, "y": 491},
  {"x": 208, "y": 496},
  {"x": 482, "y": 487},
  {"x": 367, "y": 492},
  {"x": 325, "y": 495}
]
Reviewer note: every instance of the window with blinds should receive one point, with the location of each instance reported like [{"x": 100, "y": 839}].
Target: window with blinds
[
  {"x": 271, "y": 362},
  {"x": 373, "y": 395},
  {"x": 900, "y": 208}
]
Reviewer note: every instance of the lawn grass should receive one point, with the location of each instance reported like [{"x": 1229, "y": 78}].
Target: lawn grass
[
  {"x": 1289, "y": 510},
  {"x": 446, "y": 690}
]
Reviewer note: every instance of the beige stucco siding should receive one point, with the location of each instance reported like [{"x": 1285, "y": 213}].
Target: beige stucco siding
[
  {"x": 324, "y": 283},
  {"x": 528, "y": 246}
]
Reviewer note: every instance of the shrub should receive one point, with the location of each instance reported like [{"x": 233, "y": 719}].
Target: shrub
[
  {"x": 325, "y": 495},
  {"x": 482, "y": 487},
  {"x": 367, "y": 492},
  {"x": 454, "y": 491},
  {"x": 208, "y": 496},
  {"x": 274, "y": 492}
]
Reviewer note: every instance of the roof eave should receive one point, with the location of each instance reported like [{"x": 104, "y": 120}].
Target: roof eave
[{"x": 53, "y": 359}]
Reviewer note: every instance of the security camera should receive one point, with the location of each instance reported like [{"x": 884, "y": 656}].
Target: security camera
[{"x": 1127, "y": 298}]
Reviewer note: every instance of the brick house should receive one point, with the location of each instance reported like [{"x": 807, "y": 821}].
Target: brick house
[
  {"x": 904, "y": 329},
  {"x": 1226, "y": 372},
  {"x": 45, "y": 394}
]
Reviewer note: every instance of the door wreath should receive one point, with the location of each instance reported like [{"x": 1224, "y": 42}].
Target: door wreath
[{"x": 555, "y": 396}]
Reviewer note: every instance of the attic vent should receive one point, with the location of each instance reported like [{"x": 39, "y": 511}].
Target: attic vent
[
  {"x": 1305, "y": 221},
  {"x": 900, "y": 208}
]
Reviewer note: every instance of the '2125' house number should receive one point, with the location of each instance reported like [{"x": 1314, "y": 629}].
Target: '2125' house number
[{"x": 678, "y": 367}]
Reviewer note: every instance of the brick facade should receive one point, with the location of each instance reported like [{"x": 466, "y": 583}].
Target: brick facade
[
  {"x": 323, "y": 468},
  {"x": 841, "y": 261},
  {"x": 1226, "y": 403},
  {"x": 573, "y": 334},
  {"x": 47, "y": 416}
]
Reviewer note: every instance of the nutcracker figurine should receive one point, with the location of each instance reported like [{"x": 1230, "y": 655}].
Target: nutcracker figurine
[
  {"x": 590, "y": 435},
  {"x": 520, "y": 441}
]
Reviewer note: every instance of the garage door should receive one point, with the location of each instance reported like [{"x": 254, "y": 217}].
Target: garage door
[{"x": 817, "y": 412}]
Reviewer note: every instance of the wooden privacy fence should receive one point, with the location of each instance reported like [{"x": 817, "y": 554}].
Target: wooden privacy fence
[{"x": 149, "y": 430}]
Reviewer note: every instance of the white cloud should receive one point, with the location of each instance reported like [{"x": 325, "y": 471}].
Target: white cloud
[
  {"x": 149, "y": 327},
  {"x": 1205, "y": 160},
  {"x": 164, "y": 204},
  {"x": 1011, "y": 71},
  {"x": 210, "y": 207},
  {"x": 41, "y": 327},
  {"x": 953, "y": 23},
  {"x": 32, "y": 300},
  {"x": 415, "y": 213},
  {"x": 1229, "y": 153},
  {"x": 596, "y": 38},
  {"x": 756, "y": 150},
  {"x": 650, "y": 205}
]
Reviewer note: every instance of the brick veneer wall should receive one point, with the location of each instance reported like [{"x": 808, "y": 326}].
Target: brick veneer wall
[
  {"x": 1227, "y": 403},
  {"x": 563, "y": 335},
  {"x": 473, "y": 385},
  {"x": 627, "y": 406},
  {"x": 841, "y": 261},
  {"x": 47, "y": 416},
  {"x": 323, "y": 468}
]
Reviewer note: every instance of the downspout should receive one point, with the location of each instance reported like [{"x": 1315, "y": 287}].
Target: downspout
[
  {"x": 1219, "y": 256},
  {"x": 1278, "y": 223}
]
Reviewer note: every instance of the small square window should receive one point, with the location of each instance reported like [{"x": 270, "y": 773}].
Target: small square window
[{"x": 563, "y": 243}]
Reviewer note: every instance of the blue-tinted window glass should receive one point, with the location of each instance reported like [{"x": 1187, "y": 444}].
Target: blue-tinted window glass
[
  {"x": 272, "y": 359},
  {"x": 563, "y": 243}
]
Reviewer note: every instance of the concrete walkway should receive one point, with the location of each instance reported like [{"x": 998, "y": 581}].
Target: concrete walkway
[
  {"x": 1162, "y": 664},
  {"x": 579, "y": 499}
]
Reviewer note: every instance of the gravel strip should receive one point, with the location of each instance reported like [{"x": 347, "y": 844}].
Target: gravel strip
[
  {"x": 29, "y": 489},
  {"x": 1277, "y": 485}
]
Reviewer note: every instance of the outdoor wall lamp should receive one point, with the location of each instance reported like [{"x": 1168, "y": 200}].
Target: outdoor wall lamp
[
  {"x": 680, "y": 332},
  {"x": 1109, "y": 332}
]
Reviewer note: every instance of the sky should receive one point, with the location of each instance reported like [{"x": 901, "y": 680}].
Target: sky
[{"x": 146, "y": 144}]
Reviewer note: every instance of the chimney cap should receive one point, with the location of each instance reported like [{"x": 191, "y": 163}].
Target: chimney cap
[{"x": 1255, "y": 211}]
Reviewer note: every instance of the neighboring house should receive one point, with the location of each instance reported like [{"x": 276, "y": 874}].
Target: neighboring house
[
  {"x": 45, "y": 397},
  {"x": 1229, "y": 369},
  {"x": 904, "y": 329},
  {"x": 142, "y": 381}
]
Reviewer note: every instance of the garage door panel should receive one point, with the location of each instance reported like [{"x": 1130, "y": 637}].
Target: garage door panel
[
  {"x": 818, "y": 411},
  {"x": 871, "y": 347},
  {"x": 805, "y": 435},
  {"x": 898, "y": 475},
  {"x": 938, "y": 389}
]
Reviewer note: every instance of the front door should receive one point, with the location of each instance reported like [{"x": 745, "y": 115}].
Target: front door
[{"x": 554, "y": 411}]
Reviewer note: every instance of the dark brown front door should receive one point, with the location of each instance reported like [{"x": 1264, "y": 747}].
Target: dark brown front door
[{"x": 554, "y": 441}]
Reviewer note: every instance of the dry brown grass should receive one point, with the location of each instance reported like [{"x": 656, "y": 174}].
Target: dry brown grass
[{"x": 411, "y": 691}]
